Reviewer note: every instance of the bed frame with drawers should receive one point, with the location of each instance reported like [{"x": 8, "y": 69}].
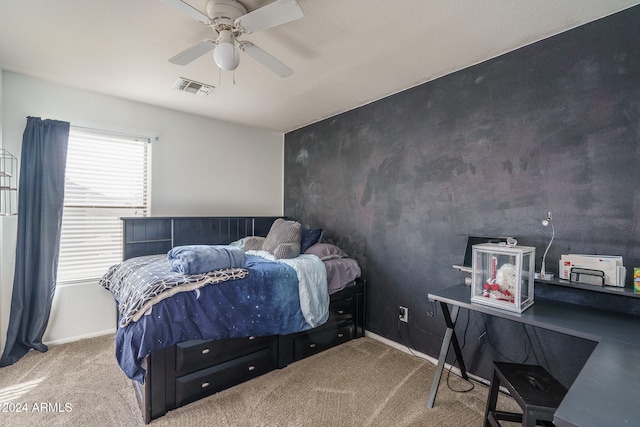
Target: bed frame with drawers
[{"x": 191, "y": 370}]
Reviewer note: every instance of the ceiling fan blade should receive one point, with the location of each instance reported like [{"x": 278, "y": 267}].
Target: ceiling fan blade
[
  {"x": 194, "y": 52},
  {"x": 276, "y": 13},
  {"x": 265, "y": 59},
  {"x": 188, "y": 10}
]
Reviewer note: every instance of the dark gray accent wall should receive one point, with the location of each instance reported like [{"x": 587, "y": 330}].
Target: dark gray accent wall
[{"x": 488, "y": 150}]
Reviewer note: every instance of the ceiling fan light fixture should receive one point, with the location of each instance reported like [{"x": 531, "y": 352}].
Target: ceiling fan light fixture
[{"x": 226, "y": 54}]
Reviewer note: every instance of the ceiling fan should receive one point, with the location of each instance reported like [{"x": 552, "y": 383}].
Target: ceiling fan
[{"x": 229, "y": 20}]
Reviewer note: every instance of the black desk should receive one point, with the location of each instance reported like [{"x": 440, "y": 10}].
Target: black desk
[{"x": 607, "y": 389}]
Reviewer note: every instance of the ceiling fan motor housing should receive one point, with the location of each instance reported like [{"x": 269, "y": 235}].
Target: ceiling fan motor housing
[{"x": 225, "y": 12}]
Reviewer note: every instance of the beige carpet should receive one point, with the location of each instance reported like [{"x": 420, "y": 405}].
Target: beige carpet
[{"x": 360, "y": 383}]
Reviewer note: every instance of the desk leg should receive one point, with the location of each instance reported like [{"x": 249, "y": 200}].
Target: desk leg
[
  {"x": 449, "y": 337},
  {"x": 454, "y": 341}
]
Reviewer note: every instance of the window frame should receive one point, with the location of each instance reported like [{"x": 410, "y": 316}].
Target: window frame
[{"x": 94, "y": 213}]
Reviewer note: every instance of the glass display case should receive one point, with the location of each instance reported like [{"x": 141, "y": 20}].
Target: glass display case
[{"x": 503, "y": 276}]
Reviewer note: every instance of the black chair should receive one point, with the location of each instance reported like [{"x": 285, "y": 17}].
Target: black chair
[{"x": 532, "y": 387}]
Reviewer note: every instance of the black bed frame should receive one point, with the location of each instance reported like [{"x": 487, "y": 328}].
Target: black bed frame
[{"x": 191, "y": 370}]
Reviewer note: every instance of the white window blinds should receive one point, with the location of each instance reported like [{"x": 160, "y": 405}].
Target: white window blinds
[{"x": 106, "y": 178}]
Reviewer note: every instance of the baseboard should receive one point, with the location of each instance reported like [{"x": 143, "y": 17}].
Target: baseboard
[
  {"x": 426, "y": 357},
  {"x": 80, "y": 337},
  {"x": 400, "y": 347}
]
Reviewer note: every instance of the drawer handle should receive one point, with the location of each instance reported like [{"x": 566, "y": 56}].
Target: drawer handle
[
  {"x": 251, "y": 368},
  {"x": 312, "y": 345},
  {"x": 204, "y": 385},
  {"x": 205, "y": 351},
  {"x": 340, "y": 311},
  {"x": 340, "y": 335}
]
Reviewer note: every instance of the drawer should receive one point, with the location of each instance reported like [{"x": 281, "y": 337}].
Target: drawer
[
  {"x": 342, "y": 309},
  {"x": 194, "y": 355},
  {"x": 224, "y": 375},
  {"x": 321, "y": 339}
]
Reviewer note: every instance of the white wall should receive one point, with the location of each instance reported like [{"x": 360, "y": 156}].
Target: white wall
[{"x": 200, "y": 166}]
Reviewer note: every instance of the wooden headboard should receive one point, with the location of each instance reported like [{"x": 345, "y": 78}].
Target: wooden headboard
[{"x": 157, "y": 235}]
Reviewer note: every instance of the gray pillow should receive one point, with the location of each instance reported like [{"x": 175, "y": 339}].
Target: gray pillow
[
  {"x": 253, "y": 243},
  {"x": 287, "y": 250},
  {"x": 283, "y": 232}
]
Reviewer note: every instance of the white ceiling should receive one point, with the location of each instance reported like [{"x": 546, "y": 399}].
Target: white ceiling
[{"x": 344, "y": 53}]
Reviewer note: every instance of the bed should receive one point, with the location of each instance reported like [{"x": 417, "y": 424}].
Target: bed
[{"x": 222, "y": 331}]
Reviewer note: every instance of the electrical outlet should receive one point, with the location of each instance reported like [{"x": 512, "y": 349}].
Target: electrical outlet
[{"x": 403, "y": 314}]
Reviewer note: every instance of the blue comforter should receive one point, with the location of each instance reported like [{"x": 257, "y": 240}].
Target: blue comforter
[{"x": 265, "y": 302}]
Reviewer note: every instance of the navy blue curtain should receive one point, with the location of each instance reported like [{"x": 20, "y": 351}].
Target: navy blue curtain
[{"x": 40, "y": 201}]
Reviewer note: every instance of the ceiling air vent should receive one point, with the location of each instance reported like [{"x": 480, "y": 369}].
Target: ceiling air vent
[{"x": 191, "y": 86}]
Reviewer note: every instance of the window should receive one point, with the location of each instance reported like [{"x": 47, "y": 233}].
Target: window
[{"x": 106, "y": 178}]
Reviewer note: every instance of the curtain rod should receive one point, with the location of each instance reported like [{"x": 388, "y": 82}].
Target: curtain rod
[{"x": 111, "y": 132}]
